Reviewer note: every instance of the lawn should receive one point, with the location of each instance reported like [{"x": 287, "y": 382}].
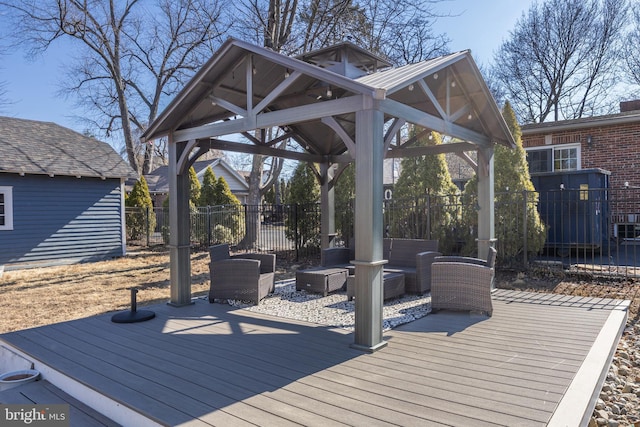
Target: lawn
[
  {"x": 42, "y": 296},
  {"x": 48, "y": 295}
]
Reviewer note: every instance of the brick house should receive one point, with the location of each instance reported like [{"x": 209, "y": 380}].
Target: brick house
[{"x": 605, "y": 147}]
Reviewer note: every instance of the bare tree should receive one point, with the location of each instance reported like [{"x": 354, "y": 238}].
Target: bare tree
[
  {"x": 268, "y": 23},
  {"x": 131, "y": 55},
  {"x": 396, "y": 29},
  {"x": 495, "y": 87},
  {"x": 4, "y": 99},
  {"x": 632, "y": 47},
  {"x": 561, "y": 58},
  {"x": 4, "y": 96},
  {"x": 327, "y": 22},
  {"x": 401, "y": 30}
]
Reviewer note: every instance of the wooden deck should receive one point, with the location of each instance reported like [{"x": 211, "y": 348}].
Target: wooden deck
[
  {"x": 540, "y": 360},
  {"x": 43, "y": 392}
]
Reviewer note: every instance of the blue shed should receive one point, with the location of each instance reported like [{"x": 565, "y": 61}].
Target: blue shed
[
  {"x": 61, "y": 196},
  {"x": 575, "y": 207}
]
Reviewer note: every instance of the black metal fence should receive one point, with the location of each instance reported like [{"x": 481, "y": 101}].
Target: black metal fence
[
  {"x": 291, "y": 230},
  {"x": 593, "y": 230}
]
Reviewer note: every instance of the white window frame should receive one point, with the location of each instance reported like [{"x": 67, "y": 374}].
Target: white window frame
[
  {"x": 8, "y": 208},
  {"x": 553, "y": 149}
]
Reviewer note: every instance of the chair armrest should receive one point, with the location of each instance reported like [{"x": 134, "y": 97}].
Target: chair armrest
[
  {"x": 465, "y": 259},
  {"x": 424, "y": 260},
  {"x": 428, "y": 255},
  {"x": 267, "y": 261}
]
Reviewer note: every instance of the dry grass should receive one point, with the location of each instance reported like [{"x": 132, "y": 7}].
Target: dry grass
[
  {"x": 48, "y": 295},
  {"x": 43, "y": 296}
]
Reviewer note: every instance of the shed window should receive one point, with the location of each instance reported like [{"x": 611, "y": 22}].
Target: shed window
[
  {"x": 6, "y": 208},
  {"x": 554, "y": 159}
]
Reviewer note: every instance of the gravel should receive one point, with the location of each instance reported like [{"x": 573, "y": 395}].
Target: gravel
[
  {"x": 334, "y": 309},
  {"x": 619, "y": 401}
]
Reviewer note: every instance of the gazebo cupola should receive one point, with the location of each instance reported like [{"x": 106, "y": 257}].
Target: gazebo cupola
[{"x": 347, "y": 60}]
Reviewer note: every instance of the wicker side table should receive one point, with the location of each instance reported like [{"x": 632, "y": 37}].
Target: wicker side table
[
  {"x": 321, "y": 280},
  {"x": 392, "y": 286}
]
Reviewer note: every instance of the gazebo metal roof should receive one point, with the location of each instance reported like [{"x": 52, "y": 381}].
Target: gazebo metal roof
[{"x": 445, "y": 94}]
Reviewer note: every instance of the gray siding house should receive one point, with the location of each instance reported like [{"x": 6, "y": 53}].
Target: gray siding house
[
  {"x": 158, "y": 180},
  {"x": 61, "y": 196}
]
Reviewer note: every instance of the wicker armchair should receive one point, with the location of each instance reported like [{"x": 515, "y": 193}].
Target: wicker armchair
[
  {"x": 489, "y": 262},
  {"x": 461, "y": 286},
  {"x": 247, "y": 277}
]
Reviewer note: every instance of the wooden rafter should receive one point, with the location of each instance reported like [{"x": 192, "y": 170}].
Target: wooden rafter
[
  {"x": 183, "y": 161},
  {"x": 427, "y": 91},
  {"x": 413, "y": 115},
  {"x": 344, "y": 136},
  {"x": 249, "y": 78},
  {"x": 391, "y": 133},
  {"x": 274, "y": 118},
  {"x": 229, "y": 106},
  {"x": 239, "y": 147},
  {"x": 277, "y": 91},
  {"x": 456, "y": 147}
]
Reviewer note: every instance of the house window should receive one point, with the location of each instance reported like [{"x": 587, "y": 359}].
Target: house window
[
  {"x": 565, "y": 159},
  {"x": 554, "y": 159},
  {"x": 539, "y": 161},
  {"x": 6, "y": 208}
]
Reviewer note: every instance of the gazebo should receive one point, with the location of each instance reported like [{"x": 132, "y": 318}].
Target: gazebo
[{"x": 339, "y": 104}]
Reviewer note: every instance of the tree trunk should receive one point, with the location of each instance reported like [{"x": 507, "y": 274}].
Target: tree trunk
[
  {"x": 252, "y": 217},
  {"x": 126, "y": 121},
  {"x": 147, "y": 165}
]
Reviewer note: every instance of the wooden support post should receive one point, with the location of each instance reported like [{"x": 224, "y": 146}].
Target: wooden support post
[
  {"x": 369, "y": 231},
  {"x": 486, "y": 221},
  {"x": 179, "y": 239}
]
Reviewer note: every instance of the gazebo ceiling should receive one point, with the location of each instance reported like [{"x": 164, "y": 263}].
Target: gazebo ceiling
[{"x": 242, "y": 85}]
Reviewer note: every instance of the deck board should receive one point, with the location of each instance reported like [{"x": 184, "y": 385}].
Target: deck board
[
  {"x": 43, "y": 392},
  {"x": 211, "y": 364}
]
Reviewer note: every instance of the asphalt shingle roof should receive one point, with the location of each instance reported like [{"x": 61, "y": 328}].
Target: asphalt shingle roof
[{"x": 33, "y": 147}]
